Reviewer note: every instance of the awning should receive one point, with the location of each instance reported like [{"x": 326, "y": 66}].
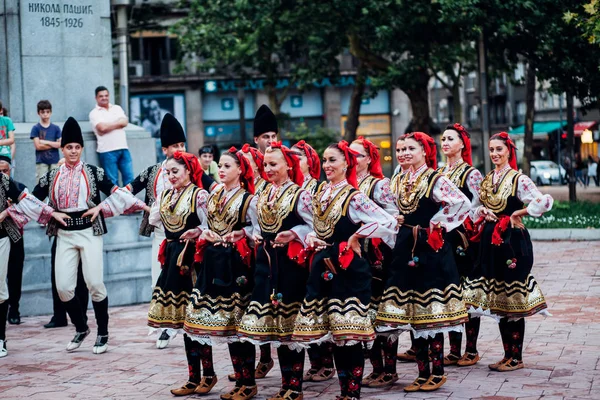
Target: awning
[
  {"x": 540, "y": 128},
  {"x": 579, "y": 127}
]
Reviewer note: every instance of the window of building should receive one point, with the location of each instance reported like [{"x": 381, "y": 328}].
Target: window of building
[
  {"x": 520, "y": 72},
  {"x": 471, "y": 81},
  {"x": 154, "y": 53}
]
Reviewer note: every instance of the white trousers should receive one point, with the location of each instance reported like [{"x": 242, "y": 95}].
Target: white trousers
[
  {"x": 72, "y": 246},
  {"x": 4, "y": 253}
]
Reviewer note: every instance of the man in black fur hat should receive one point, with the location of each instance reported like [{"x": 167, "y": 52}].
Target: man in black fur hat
[
  {"x": 265, "y": 128},
  {"x": 74, "y": 189},
  {"x": 154, "y": 181}
]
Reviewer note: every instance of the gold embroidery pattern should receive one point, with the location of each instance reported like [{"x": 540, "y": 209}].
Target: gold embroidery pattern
[
  {"x": 521, "y": 299},
  {"x": 218, "y": 316},
  {"x": 395, "y": 183},
  {"x": 496, "y": 199},
  {"x": 457, "y": 174},
  {"x": 434, "y": 308},
  {"x": 259, "y": 186},
  {"x": 222, "y": 221},
  {"x": 271, "y": 216},
  {"x": 346, "y": 319},
  {"x": 367, "y": 184},
  {"x": 410, "y": 195},
  {"x": 167, "y": 309},
  {"x": 324, "y": 221},
  {"x": 175, "y": 219},
  {"x": 311, "y": 186},
  {"x": 268, "y": 322}
]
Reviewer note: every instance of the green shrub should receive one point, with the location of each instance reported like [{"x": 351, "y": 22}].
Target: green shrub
[{"x": 567, "y": 215}]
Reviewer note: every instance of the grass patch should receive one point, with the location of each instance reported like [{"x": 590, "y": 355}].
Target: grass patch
[{"x": 581, "y": 214}]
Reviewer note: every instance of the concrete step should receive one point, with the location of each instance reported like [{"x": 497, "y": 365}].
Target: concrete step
[{"x": 127, "y": 258}]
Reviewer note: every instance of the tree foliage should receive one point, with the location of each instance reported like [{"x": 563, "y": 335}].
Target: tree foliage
[{"x": 269, "y": 38}]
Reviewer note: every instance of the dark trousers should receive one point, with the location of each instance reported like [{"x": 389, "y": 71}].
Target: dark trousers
[
  {"x": 15, "y": 275},
  {"x": 81, "y": 291}
]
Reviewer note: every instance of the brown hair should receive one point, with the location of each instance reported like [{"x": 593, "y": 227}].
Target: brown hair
[{"x": 44, "y": 105}]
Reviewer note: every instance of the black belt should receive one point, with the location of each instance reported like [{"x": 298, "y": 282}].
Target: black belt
[{"x": 76, "y": 222}]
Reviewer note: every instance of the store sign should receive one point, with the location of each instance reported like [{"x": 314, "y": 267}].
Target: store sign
[
  {"x": 296, "y": 101},
  {"x": 370, "y": 125},
  {"x": 227, "y": 104},
  {"x": 259, "y": 84}
]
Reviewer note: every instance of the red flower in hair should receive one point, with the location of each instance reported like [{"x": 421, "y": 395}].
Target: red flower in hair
[
  {"x": 373, "y": 151},
  {"x": 292, "y": 161},
  {"x": 312, "y": 159},
  {"x": 258, "y": 158},
  {"x": 350, "y": 156}
]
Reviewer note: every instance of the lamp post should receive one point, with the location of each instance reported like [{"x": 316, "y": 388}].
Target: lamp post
[{"x": 122, "y": 34}]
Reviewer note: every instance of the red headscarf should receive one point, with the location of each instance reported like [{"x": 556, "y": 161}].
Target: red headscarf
[
  {"x": 350, "y": 156},
  {"x": 466, "y": 139},
  {"x": 193, "y": 165},
  {"x": 373, "y": 152},
  {"x": 512, "y": 148},
  {"x": 247, "y": 175},
  {"x": 292, "y": 161},
  {"x": 258, "y": 158},
  {"x": 312, "y": 158},
  {"x": 428, "y": 145}
]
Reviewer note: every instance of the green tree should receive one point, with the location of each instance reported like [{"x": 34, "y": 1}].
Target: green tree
[{"x": 273, "y": 39}]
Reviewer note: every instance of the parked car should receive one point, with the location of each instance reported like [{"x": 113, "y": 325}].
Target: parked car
[{"x": 546, "y": 172}]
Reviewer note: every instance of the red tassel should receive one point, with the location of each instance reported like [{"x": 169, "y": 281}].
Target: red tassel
[
  {"x": 434, "y": 237},
  {"x": 244, "y": 250},
  {"x": 296, "y": 252},
  {"x": 200, "y": 246},
  {"x": 376, "y": 243},
  {"x": 162, "y": 257},
  {"x": 477, "y": 230},
  {"x": 499, "y": 229},
  {"x": 346, "y": 255}
]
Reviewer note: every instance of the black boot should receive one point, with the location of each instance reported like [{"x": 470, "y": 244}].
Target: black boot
[{"x": 101, "y": 312}]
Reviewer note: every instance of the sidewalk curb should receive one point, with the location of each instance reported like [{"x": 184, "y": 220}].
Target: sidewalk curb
[{"x": 564, "y": 234}]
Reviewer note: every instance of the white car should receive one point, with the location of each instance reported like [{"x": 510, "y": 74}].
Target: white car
[{"x": 546, "y": 172}]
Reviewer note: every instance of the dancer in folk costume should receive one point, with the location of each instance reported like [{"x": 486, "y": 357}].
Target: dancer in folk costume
[
  {"x": 319, "y": 355},
  {"x": 222, "y": 290},
  {"x": 309, "y": 164},
  {"x": 402, "y": 168},
  {"x": 336, "y": 307},
  {"x": 74, "y": 189},
  {"x": 13, "y": 218},
  {"x": 423, "y": 292},
  {"x": 265, "y": 129},
  {"x": 501, "y": 285},
  {"x": 373, "y": 184},
  {"x": 285, "y": 218},
  {"x": 456, "y": 146},
  {"x": 182, "y": 213},
  {"x": 256, "y": 160},
  {"x": 154, "y": 181}
]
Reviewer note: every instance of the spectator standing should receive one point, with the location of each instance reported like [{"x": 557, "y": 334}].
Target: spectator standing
[
  {"x": 46, "y": 139},
  {"x": 7, "y": 135},
  {"x": 108, "y": 121},
  {"x": 16, "y": 257},
  {"x": 593, "y": 170},
  {"x": 207, "y": 160}
]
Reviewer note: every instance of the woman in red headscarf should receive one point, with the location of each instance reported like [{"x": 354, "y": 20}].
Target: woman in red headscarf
[
  {"x": 309, "y": 164},
  {"x": 256, "y": 160},
  {"x": 373, "y": 184},
  {"x": 423, "y": 292},
  {"x": 337, "y": 303},
  {"x": 225, "y": 279},
  {"x": 456, "y": 146},
  {"x": 284, "y": 219},
  {"x": 501, "y": 285},
  {"x": 182, "y": 212}
]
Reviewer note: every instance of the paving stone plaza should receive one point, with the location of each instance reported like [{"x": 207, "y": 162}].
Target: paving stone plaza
[{"x": 561, "y": 353}]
